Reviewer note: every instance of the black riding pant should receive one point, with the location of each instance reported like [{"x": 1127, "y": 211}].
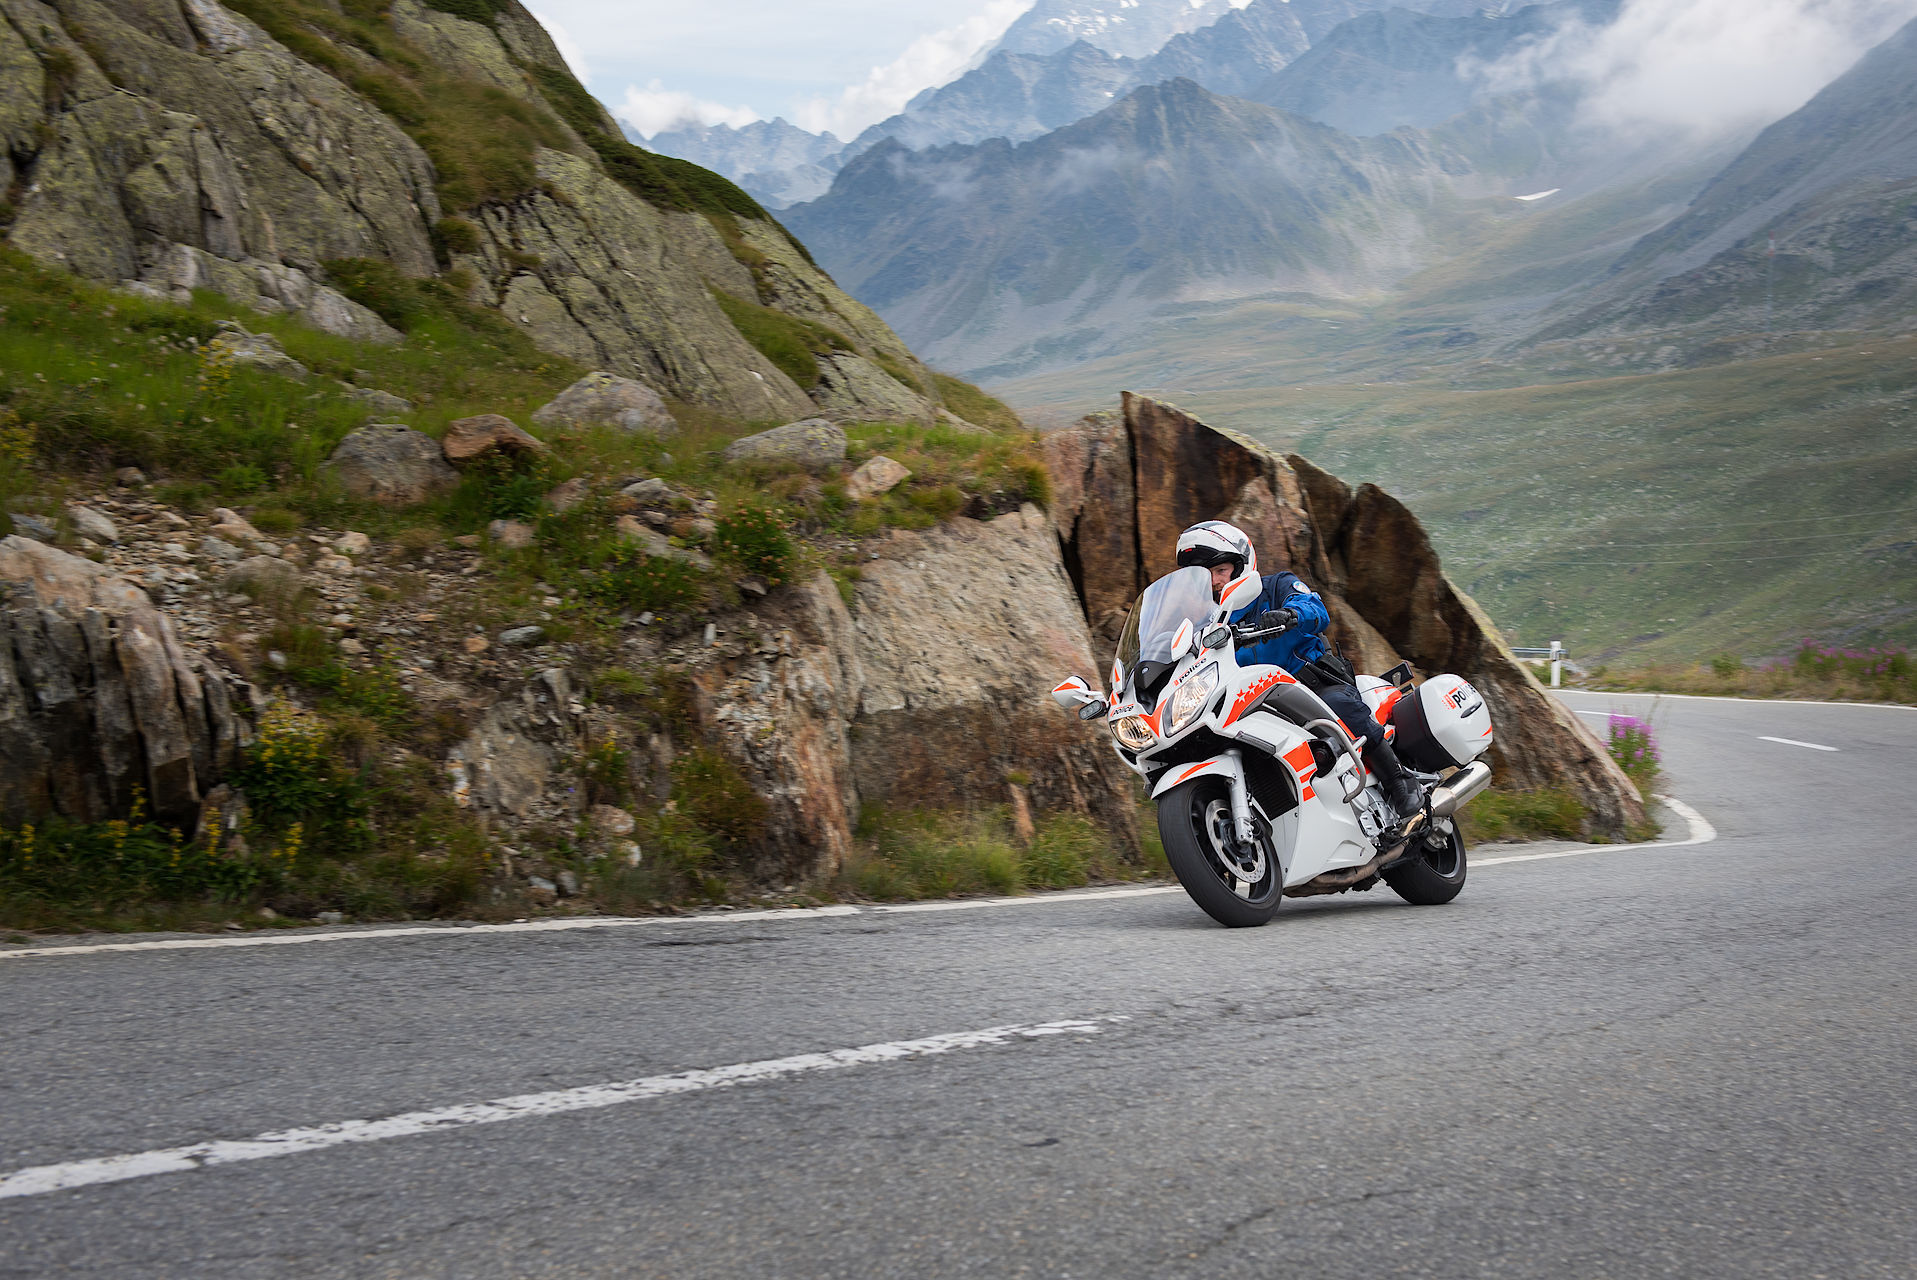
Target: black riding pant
[{"x": 1346, "y": 702}]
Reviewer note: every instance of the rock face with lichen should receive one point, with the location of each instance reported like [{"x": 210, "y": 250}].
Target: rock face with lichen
[
  {"x": 174, "y": 145},
  {"x": 100, "y": 699},
  {"x": 1126, "y": 485},
  {"x": 931, "y": 691}
]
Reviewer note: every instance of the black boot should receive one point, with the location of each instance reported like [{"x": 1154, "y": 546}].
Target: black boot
[{"x": 1403, "y": 793}]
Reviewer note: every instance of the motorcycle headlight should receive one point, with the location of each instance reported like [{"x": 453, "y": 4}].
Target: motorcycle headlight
[
  {"x": 1133, "y": 732},
  {"x": 1191, "y": 695}
]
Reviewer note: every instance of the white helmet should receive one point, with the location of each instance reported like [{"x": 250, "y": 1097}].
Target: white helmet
[{"x": 1215, "y": 542}]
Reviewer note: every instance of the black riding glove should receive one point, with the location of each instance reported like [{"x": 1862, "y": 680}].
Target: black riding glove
[{"x": 1277, "y": 618}]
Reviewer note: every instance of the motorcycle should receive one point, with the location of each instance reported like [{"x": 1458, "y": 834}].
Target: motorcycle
[{"x": 1262, "y": 792}]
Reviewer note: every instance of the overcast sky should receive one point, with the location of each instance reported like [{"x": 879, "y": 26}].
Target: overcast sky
[{"x": 837, "y": 64}]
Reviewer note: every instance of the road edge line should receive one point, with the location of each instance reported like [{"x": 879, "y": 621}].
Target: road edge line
[{"x": 1702, "y": 832}]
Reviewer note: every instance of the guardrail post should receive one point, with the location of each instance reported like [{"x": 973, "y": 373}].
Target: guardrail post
[{"x": 1557, "y": 663}]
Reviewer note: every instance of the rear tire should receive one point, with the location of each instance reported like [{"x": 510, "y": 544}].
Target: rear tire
[
  {"x": 1431, "y": 877},
  {"x": 1188, "y": 819}
]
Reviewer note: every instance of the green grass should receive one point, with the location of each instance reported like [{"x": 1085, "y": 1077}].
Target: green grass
[
  {"x": 971, "y": 404},
  {"x": 942, "y": 854},
  {"x": 1813, "y": 672},
  {"x": 793, "y": 345},
  {"x": 1523, "y": 815},
  {"x": 92, "y": 379}
]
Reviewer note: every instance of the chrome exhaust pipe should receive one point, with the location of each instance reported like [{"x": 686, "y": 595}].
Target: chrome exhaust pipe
[{"x": 1460, "y": 789}]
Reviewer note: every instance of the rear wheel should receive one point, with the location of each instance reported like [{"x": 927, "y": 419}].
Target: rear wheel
[
  {"x": 1430, "y": 876},
  {"x": 1237, "y": 888}
]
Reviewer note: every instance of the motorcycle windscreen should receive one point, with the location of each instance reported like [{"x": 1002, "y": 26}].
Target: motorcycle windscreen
[{"x": 1145, "y": 650}]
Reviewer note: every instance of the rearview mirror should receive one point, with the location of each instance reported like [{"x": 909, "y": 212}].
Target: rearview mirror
[
  {"x": 1074, "y": 694},
  {"x": 1094, "y": 710},
  {"x": 1215, "y": 637},
  {"x": 1241, "y": 592}
]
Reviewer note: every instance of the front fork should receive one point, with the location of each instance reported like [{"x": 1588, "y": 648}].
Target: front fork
[{"x": 1231, "y": 767}]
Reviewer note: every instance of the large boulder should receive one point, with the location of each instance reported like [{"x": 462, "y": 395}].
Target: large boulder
[
  {"x": 1124, "y": 486},
  {"x": 936, "y": 695},
  {"x": 607, "y": 400},
  {"x": 470, "y": 439},
  {"x": 814, "y": 444},
  {"x": 391, "y": 464},
  {"x": 99, "y": 698}
]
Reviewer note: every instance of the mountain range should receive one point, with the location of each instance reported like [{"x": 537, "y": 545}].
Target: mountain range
[{"x": 1058, "y": 64}]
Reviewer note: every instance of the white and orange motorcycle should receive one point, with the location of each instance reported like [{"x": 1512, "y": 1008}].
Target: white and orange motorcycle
[{"x": 1262, "y": 791}]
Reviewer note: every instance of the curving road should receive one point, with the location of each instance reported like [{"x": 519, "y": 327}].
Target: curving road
[{"x": 1684, "y": 1060}]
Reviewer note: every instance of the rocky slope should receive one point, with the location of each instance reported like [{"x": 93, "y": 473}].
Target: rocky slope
[
  {"x": 179, "y": 144},
  {"x": 1127, "y": 484},
  {"x": 922, "y": 684}
]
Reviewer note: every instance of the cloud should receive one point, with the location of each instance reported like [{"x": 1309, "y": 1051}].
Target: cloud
[
  {"x": 655, "y": 108},
  {"x": 929, "y": 61},
  {"x": 1707, "y": 67},
  {"x": 568, "y": 47}
]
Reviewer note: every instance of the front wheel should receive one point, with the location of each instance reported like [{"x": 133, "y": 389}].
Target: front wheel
[
  {"x": 1237, "y": 888},
  {"x": 1430, "y": 877}
]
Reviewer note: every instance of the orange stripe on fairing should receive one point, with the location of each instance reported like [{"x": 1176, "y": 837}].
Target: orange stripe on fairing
[
  {"x": 1252, "y": 694},
  {"x": 1299, "y": 758},
  {"x": 1485, "y": 734},
  {"x": 1390, "y": 704},
  {"x": 1308, "y": 793},
  {"x": 1194, "y": 769}
]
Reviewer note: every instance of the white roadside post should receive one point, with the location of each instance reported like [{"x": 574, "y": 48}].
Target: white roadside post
[{"x": 1557, "y": 663}]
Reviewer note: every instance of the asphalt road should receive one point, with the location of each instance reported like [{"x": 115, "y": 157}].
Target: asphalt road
[{"x": 1688, "y": 1061}]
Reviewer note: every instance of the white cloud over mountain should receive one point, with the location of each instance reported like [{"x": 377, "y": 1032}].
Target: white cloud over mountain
[
  {"x": 1705, "y": 66},
  {"x": 929, "y": 61}
]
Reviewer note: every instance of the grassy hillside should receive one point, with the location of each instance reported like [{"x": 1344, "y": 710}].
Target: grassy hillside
[{"x": 1735, "y": 508}]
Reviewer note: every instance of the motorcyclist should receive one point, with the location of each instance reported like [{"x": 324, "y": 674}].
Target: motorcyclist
[{"x": 1227, "y": 552}]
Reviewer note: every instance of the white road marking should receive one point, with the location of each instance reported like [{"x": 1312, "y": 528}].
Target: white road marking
[
  {"x": 573, "y": 924},
  {"x": 1702, "y": 832},
  {"x": 1792, "y": 742},
  {"x": 41, "y": 1179}
]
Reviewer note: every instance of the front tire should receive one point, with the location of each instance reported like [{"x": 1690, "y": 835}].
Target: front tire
[
  {"x": 1193, "y": 821},
  {"x": 1430, "y": 877}
]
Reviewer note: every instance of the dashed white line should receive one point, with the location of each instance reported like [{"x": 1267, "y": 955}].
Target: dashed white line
[
  {"x": 41, "y": 1179},
  {"x": 1793, "y": 742}
]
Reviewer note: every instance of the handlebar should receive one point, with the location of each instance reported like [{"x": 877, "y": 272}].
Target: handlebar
[{"x": 1247, "y": 632}]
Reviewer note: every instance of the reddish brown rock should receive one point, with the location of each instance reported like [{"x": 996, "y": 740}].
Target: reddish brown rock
[
  {"x": 1125, "y": 487},
  {"x": 470, "y": 439}
]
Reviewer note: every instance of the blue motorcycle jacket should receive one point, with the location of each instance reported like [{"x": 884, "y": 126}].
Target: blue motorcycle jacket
[{"x": 1304, "y": 642}]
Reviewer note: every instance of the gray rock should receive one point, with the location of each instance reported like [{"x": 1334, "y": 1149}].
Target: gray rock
[
  {"x": 851, "y": 384},
  {"x": 352, "y": 544},
  {"x": 89, "y": 523},
  {"x": 510, "y": 534},
  {"x": 34, "y": 527},
  {"x": 262, "y": 576},
  {"x": 380, "y": 403},
  {"x": 220, "y": 549},
  {"x": 654, "y": 543},
  {"x": 522, "y": 636},
  {"x": 391, "y": 464},
  {"x": 606, "y": 400},
  {"x": 331, "y": 917},
  {"x": 260, "y": 351},
  {"x": 653, "y": 490},
  {"x": 568, "y": 884},
  {"x": 129, "y": 478},
  {"x": 99, "y": 697},
  {"x": 814, "y": 444}
]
